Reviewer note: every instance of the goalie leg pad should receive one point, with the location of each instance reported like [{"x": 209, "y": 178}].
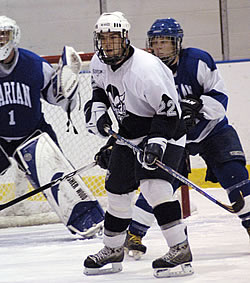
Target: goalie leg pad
[
  {"x": 44, "y": 162},
  {"x": 88, "y": 217}
]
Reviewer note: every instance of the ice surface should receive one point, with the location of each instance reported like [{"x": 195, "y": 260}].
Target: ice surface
[{"x": 50, "y": 254}]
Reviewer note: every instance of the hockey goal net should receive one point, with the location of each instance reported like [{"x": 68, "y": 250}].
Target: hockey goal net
[{"x": 78, "y": 148}]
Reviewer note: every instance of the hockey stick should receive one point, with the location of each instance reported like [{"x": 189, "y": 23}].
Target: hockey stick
[
  {"x": 46, "y": 186},
  {"x": 236, "y": 207}
]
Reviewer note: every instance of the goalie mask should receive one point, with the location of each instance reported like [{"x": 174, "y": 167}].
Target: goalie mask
[
  {"x": 111, "y": 38},
  {"x": 164, "y": 39},
  {"x": 9, "y": 36}
]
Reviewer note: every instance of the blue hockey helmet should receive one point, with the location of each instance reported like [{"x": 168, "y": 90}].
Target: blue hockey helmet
[{"x": 166, "y": 28}]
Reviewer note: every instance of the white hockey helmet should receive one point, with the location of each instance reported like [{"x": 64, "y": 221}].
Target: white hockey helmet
[
  {"x": 9, "y": 36},
  {"x": 111, "y": 22}
]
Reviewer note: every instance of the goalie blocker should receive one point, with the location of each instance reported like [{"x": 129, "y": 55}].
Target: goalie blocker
[{"x": 71, "y": 199}]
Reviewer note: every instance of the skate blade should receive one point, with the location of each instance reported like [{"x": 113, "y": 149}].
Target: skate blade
[
  {"x": 178, "y": 271},
  {"x": 135, "y": 254},
  {"x": 116, "y": 267}
]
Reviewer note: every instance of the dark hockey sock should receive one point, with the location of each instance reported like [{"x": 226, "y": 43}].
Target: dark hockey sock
[
  {"x": 232, "y": 173},
  {"x": 138, "y": 229},
  {"x": 135, "y": 227},
  {"x": 167, "y": 212},
  {"x": 115, "y": 224}
]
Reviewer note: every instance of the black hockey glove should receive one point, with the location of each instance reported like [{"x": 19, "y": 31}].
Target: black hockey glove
[
  {"x": 153, "y": 150},
  {"x": 190, "y": 111},
  {"x": 103, "y": 155},
  {"x": 102, "y": 122}
]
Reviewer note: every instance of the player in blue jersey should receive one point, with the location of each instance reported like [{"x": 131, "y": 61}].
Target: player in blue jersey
[
  {"x": 25, "y": 79},
  {"x": 204, "y": 103}
]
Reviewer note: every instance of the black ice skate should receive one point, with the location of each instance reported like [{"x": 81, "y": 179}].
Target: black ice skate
[
  {"x": 133, "y": 246},
  {"x": 93, "y": 263},
  {"x": 177, "y": 262}
]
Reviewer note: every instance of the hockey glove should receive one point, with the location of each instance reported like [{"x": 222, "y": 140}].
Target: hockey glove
[
  {"x": 103, "y": 122},
  {"x": 190, "y": 111},
  {"x": 67, "y": 74},
  {"x": 153, "y": 150},
  {"x": 96, "y": 118},
  {"x": 103, "y": 155}
]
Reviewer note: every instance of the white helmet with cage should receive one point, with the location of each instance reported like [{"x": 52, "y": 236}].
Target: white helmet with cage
[
  {"x": 9, "y": 36},
  {"x": 114, "y": 22}
]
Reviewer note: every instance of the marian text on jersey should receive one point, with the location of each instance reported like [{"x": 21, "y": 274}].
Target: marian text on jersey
[
  {"x": 15, "y": 93},
  {"x": 20, "y": 94}
]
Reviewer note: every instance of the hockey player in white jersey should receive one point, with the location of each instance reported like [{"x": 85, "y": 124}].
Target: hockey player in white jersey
[
  {"x": 25, "y": 79},
  {"x": 140, "y": 90},
  {"x": 204, "y": 104}
]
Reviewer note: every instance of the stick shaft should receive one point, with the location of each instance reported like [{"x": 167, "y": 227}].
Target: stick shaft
[
  {"x": 233, "y": 209},
  {"x": 46, "y": 186}
]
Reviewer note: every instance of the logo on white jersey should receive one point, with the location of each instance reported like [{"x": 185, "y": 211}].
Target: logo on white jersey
[{"x": 117, "y": 101}]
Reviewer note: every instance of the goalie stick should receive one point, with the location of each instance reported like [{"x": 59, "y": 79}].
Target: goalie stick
[
  {"x": 46, "y": 186},
  {"x": 236, "y": 207}
]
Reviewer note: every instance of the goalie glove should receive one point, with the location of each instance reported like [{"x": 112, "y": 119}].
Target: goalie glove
[
  {"x": 97, "y": 118},
  {"x": 66, "y": 79},
  {"x": 153, "y": 150},
  {"x": 190, "y": 111}
]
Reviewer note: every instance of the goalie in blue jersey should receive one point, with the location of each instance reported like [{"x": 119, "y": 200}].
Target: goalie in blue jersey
[
  {"x": 204, "y": 104},
  {"x": 25, "y": 79}
]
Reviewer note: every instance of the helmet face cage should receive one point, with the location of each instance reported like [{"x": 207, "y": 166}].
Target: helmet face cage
[
  {"x": 111, "y": 37},
  {"x": 6, "y": 35},
  {"x": 166, "y": 30},
  {"x": 9, "y": 36},
  {"x": 118, "y": 45},
  {"x": 169, "y": 57}
]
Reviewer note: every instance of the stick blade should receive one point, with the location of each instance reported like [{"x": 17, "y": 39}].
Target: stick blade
[{"x": 239, "y": 204}]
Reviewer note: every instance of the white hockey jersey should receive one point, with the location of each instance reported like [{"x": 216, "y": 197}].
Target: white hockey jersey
[{"x": 142, "y": 95}]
